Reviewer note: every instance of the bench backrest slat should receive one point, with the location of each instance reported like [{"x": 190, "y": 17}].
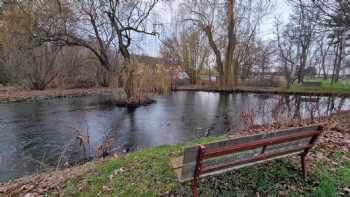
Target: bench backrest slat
[
  {"x": 246, "y": 148},
  {"x": 259, "y": 143},
  {"x": 259, "y": 157}
]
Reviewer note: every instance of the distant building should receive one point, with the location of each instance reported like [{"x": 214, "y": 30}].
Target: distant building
[{"x": 183, "y": 76}]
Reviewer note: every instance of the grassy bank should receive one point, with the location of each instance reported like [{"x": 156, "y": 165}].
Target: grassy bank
[
  {"x": 295, "y": 89},
  {"x": 147, "y": 173},
  {"x": 326, "y": 86}
]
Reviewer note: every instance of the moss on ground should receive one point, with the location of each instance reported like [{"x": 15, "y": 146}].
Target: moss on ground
[{"x": 147, "y": 173}]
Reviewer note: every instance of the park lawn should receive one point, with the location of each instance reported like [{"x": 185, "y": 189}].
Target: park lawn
[
  {"x": 147, "y": 173},
  {"x": 326, "y": 86}
]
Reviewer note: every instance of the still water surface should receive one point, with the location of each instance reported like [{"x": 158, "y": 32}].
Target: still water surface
[{"x": 42, "y": 134}]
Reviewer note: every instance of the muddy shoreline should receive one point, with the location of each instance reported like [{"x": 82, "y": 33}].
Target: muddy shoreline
[
  {"x": 22, "y": 96},
  {"x": 26, "y": 95}
]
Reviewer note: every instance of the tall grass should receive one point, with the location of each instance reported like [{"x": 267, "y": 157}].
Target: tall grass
[
  {"x": 140, "y": 81},
  {"x": 327, "y": 187}
]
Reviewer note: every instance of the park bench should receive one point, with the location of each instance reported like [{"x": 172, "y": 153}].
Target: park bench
[
  {"x": 312, "y": 84},
  {"x": 3, "y": 90},
  {"x": 6, "y": 90},
  {"x": 215, "y": 158}
]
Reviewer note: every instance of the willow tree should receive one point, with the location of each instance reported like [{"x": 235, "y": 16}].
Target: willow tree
[
  {"x": 230, "y": 27},
  {"x": 190, "y": 49},
  {"x": 204, "y": 15},
  {"x": 129, "y": 19}
]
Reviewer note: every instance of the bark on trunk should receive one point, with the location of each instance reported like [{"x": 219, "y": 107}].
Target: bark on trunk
[
  {"x": 220, "y": 65},
  {"x": 303, "y": 59},
  {"x": 230, "y": 70},
  {"x": 340, "y": 57}
]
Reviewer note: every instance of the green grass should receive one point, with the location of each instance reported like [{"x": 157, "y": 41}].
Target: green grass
[
  {"x": 147, "y": 173},
  {"x": 326, "y": 86}
]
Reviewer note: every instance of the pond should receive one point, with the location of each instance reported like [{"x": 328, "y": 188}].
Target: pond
[{"x": 44, "y": 134}]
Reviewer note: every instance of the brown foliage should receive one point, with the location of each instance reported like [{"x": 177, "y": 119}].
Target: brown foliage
[{"x": 141, "y": 80}]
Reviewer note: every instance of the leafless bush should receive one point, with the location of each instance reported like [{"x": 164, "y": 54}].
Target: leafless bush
[
  {"x": 104, "y": 148},
  {"x": 140, "y": 80},
  {"x": 248, "y": 119},
  {"x": 83, "y": 138}
]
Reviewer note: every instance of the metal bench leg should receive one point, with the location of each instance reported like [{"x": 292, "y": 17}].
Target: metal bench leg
[
  {"x": 194, "y": 188},
  {"x": 303, "y": 165},
  {"x": 200, "y": 157}
]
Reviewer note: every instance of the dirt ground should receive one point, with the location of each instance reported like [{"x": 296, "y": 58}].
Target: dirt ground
[{"x": 35, "y": 185}]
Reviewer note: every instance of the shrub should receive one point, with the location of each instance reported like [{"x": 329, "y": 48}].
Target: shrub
[{"x": 140, "y": 80}]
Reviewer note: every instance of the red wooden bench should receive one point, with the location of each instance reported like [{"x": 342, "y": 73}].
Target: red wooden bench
[{"x": 215, "y": 158}]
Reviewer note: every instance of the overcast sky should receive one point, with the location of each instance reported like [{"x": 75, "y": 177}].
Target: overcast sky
[{"x": 165, "y": 13}]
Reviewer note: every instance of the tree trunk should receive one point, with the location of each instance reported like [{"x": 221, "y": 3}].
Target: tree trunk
[
  {"x": 129, "y": 85},
  {"x": 337, "y": 62},
  {"x": 219, "y": 64},
  {"x": 303, "y": 59},
  {"x": 230, "y": 70},
  {"x": 340, "y": 57},
  {"x": 324, "y": 67}
]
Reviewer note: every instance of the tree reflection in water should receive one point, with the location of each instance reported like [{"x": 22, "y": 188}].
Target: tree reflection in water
[{"x": 277, "y": 109}]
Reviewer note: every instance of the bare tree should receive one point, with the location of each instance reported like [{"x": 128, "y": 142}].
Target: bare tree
[
  {"x": 230, "y": 27},
  {"x": 83, "y": 23},
  {"x": 339, "y": 51},
  {"x": 288, "y": 51},
  {"x": 261, "y": 58},
  {"x": 304, "y": 24},
  {"x": 203, "y": 15},
  {"x": 104, "y": 27},
  {"x": 189, "y": 49},
  {"x": 323, "y": 49},
  {"x": 128, "y": 18},
  {"x": 30, "y": 63},
  {"x": 335, "y": 21},
  {"x": 334, "y": 13}
]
